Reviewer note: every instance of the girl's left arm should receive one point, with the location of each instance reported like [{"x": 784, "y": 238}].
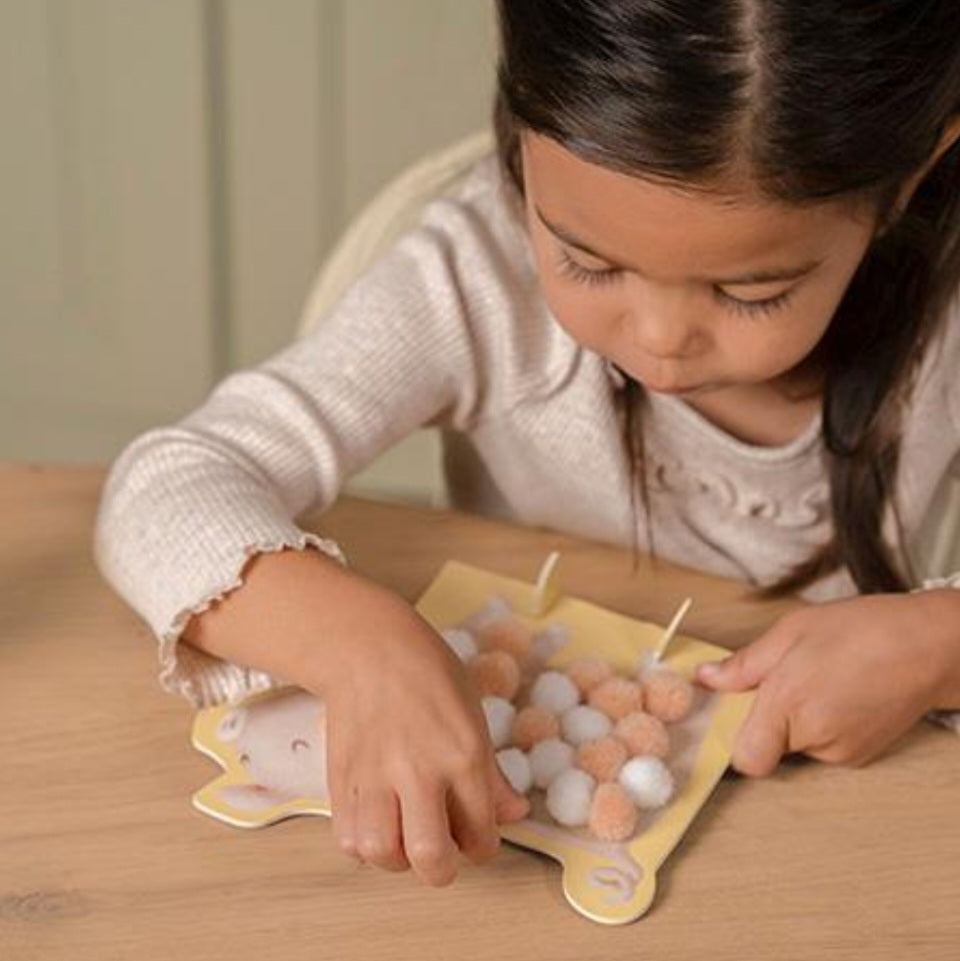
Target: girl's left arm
[{"x": 842, "y": 681}]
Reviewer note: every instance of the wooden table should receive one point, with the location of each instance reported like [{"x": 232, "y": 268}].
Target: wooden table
[{"x": 102, "y": 856}]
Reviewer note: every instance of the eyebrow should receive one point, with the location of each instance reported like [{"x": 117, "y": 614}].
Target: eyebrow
[{"x": 766, "y": 276}]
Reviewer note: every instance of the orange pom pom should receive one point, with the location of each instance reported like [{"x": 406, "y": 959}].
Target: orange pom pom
[
  {"x": 643, "y": 734},
  {"x": 495, "y": 674},
  {"x": 602, "y": 758},
  {"x": 667, "y": 695},
  {"x": 532, "y": 725},
  {"x": 613, "y": 816},
  {"x": 506, "y": 635},
  {"x": 588, "y": 672},
  {"x": 616, "y": 697}
]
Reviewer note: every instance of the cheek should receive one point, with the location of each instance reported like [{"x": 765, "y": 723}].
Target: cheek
[
  {"x": 770, "y": 346},
  {"x": 590, "y": 315},
  {"x": 758, "y": 350}
]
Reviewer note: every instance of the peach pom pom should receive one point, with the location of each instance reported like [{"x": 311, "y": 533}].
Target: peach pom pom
[
  {"x": 643, "y": 734},
  {"x": 602, "y": 758},
  {"x": 616, "y": 697},
  {"x": 495, "y": 674},
  {"x": 588, "y": 672},
  {"x": 613, "y": 815},
  {"x": 506, "y": 635},
  {"x": 667, "y": 695},
  {"x": 532, "y": 725}
]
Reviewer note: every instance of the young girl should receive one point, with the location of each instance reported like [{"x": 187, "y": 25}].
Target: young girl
[{"x": 702, "y": 301}]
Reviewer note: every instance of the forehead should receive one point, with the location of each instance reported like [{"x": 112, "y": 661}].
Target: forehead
[{"x": 669, "y": 230}]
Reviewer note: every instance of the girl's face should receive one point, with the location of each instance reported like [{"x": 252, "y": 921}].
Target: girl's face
[{"x": 687, "y": 292}]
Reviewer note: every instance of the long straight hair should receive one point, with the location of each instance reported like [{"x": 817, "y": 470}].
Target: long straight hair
[{"x": 818, "y": 100}]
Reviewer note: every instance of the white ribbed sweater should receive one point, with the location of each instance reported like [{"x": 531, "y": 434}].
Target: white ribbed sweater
[{"x": 449, "y": 329}]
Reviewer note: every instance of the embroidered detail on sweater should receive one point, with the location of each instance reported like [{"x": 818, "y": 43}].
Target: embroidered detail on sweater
[{"x": 806, "y": 509}]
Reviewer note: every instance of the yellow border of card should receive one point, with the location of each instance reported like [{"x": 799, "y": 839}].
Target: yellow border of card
[{"x": 608, "y": 883}]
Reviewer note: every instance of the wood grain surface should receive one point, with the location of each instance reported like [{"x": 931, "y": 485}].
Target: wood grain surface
[{"x": 103, "y": 858}]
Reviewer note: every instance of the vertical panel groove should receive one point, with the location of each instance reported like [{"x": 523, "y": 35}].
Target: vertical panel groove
[
  {"x": 221, "y": 306},
  {"x": 331, "y": 129}
]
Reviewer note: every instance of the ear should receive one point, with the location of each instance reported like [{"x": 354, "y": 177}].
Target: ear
[
  {"x": 232, "y": 724},
  {"x": 950, "y": 135}
]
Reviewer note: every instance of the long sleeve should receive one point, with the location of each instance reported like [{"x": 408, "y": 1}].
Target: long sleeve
[
  {"x": 949, "y": 719},
  {"x": 186, "y": 506}
]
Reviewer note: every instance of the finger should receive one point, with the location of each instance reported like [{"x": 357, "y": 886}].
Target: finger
[
  {"x": 427, "y": 841},
  {"x": 751, "y": 664},
  {"x": 343, "y": 803},
  {"x": 472, "y": 818},
  {"x": 763, "y": 739},
  {"x": 508, "y": 804},
  {"x": 378, "y": 829}
]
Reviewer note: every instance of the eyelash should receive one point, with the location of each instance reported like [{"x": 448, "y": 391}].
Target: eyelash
[
  {"x": 597, "y": 278},
  {"x": 584, "y": 275}
]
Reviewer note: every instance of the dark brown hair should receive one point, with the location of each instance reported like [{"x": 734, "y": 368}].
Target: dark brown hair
[{"x": 818, "y": 99}]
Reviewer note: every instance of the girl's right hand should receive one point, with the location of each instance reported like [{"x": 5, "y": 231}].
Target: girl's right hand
[
  {"x": 410, "y": 767},
  {"x": 411, "y": 770}
]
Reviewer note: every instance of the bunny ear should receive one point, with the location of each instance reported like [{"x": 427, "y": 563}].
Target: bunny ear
[{"x": 232, "y": 724}]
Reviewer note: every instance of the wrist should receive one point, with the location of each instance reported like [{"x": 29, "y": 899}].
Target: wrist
[
  {"x": 301, "y": 616},
  {"x": 939, "y": 625},
  {"x": 334, "y": 620}
]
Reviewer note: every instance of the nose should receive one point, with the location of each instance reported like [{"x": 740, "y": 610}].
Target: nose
[{"x": 664, "y": 323}]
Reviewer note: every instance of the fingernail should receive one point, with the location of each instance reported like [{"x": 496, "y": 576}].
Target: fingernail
[{"x": 708, "y": 671}]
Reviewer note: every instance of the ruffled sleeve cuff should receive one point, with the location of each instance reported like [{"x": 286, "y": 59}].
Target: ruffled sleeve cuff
[
  {"x": 202, "y": 678},
  {"x": 947, "y": 719}
]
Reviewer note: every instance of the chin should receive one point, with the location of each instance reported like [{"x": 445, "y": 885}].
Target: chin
[
  {"x": 672, "y": 391},
  {"x": 680, "y": 390},
  {"x": 671, "y": 384}
]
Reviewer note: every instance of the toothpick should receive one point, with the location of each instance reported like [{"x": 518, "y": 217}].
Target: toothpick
[
  {"x": 547, "y": 589},
  {"x": 671, "y": 630}
]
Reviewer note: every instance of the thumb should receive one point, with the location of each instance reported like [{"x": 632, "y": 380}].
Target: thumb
[
  {"x": 508, "y": 805},
  {"x": 750, "y": 665}
]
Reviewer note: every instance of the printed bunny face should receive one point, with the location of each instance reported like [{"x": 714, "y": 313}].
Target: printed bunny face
[{"x": 282, "y": 744}]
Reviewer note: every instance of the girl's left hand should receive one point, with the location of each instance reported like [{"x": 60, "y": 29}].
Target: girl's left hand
[{"x": 842, "y": 681}]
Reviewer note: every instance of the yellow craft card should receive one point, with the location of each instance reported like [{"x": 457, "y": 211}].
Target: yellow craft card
[{"x": 272, "y": 746}]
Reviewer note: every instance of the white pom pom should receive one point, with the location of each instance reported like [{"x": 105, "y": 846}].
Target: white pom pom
[
  {"x": 550, "y": 640},
  {"x": 569, "y": 796},
  {"x": 500, "y": 714},
  {"x": 648, "y": 781},
  {"x": 460, "y": 641},
  {"x": 555, "y": 692},
  {"x": 584, "y": 723},
  {"x": 516, "y": 769},
  {"x": 645, "y": 664},
  {"x": 548, "y": 759}
]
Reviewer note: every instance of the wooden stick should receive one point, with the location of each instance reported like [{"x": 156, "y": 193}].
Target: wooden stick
[
  {"x": 547, "y": 588},
  {"x": 671, "y": 630}
]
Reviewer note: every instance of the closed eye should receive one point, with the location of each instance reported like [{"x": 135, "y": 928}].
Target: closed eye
[
  {"x": 599, "y": 276},
  {"x": 299, "y": 744},
  {"x": 754, "y": 307},
  {"x": 568, "y": 267}
]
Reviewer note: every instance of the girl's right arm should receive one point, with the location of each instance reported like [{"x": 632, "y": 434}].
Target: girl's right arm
[
  {"x": 411, "y": 772},
  {"x": 197, "y": 531},
  {"x": 185, "y": 507}
]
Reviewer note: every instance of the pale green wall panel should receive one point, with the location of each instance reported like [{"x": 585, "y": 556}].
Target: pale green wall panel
[
  {"x": 418, "y": 74},
  {"x": 176, "y": 173},
  {"x": 104, "y": 290}
]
